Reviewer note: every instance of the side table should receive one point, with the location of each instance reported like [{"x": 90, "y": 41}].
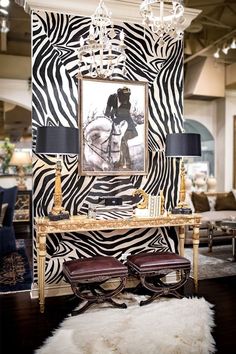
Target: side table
[{"x": 229, "y": 226}]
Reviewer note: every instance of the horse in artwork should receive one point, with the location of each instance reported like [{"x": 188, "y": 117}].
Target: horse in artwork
[{"x": 102, "y": 143}]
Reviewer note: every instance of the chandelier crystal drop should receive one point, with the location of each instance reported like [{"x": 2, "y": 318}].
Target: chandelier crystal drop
[
  {"x": 103, "y": 50},
  {"x": 163, "y": 17}
]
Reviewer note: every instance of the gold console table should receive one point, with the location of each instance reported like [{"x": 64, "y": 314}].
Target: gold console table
[{"x": 44, "y": 227}]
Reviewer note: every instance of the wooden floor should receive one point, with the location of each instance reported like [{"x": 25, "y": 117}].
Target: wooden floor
[{"x": 23, "y": 328}]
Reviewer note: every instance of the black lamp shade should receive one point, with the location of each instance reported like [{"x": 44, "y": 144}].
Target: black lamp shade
[
  {"x": 183, "y": 144},
  {"x": 57, "y": 140}
]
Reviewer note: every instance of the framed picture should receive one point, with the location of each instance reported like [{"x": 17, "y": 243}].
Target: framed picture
[{"x": 113, "y": 121}]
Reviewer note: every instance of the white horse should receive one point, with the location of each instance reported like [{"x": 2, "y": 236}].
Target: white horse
[{"x": 102, "y": 141}]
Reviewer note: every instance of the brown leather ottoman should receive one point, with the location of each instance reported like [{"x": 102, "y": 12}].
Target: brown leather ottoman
[
  {"x": 150, "y": 268},
  {"x": 88, "y": 274}
]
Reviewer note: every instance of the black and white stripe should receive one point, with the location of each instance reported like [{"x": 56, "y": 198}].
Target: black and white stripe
[{"x": 55, "y": 102}]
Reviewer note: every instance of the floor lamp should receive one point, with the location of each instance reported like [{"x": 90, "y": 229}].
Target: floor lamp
[
  {"x": 59, "y": 141},
  {"x": 180, "y": 145}
]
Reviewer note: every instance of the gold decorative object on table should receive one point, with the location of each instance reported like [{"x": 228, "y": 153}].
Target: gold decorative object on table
[
  {"x": 143, "y": 204},
  {"x": 162, "y": 202}
]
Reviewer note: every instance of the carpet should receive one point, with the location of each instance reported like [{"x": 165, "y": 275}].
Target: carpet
[
  {"x": 166, "y": 326},
  {"x": 215, "y": 264},
  {"x": 15, "y": 272}
]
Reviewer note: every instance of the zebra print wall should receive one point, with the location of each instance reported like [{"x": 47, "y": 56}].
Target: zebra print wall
[{"x": 55, "y": 101}]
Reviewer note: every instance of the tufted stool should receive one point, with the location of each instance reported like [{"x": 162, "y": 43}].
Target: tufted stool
[
  {"x": 150, "y": 268},
  {"x": 88, "y": 274}
]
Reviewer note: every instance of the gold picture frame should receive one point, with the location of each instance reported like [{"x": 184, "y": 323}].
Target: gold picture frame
[{"x": 114, "y": 126}]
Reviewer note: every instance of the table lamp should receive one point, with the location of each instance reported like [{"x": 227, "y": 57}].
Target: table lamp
[
  {"x": 20, "y": 159},
  {"x": 59, "y": 141},
  {"x": 183, "y": 145}
]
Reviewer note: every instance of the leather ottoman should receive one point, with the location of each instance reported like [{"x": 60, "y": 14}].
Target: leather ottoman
[
  {"x": 88, "y": 274},
  {"x": 150, "y": 268}
]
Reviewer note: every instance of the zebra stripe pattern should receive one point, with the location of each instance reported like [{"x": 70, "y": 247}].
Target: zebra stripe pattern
[{"x": 55, "y": 102}]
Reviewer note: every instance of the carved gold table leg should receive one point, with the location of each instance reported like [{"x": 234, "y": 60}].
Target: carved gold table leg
[
  {"x": 41, "y": 269},
  {"x": 181, "y": 248},
  {"x": 181, "y": 240},
  {"x": 195, "y": 256},
  {"x": 37, "y": 249}
]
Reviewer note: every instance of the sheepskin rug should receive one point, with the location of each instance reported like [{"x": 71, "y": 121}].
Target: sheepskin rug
[{"x": 168, "y": 326}]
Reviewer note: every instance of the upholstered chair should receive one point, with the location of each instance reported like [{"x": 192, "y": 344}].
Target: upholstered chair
[{"x": 7, "y": 233}]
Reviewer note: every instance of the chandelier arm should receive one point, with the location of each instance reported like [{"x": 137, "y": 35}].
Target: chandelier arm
[
  {"x": 163, "y": 17},
  {"x": 99, "y": 53}
]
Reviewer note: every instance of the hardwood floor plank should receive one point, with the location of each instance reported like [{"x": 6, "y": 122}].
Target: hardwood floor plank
[{"x": 24, "y": 328}]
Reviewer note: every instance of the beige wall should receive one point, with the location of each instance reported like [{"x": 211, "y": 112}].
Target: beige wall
[
  {"x": 15, "y": 92},
  {"x": 217, "y": 116},
  {"x": 15, "y": 67}
]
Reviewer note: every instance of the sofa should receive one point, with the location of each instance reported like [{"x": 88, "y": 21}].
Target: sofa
[{"x": 212, "y": 207}]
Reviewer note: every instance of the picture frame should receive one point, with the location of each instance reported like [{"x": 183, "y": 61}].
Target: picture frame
[{"x": 113, "y": 118}]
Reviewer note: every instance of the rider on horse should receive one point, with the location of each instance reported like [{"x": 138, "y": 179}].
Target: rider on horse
[{"x": 118, "y": 108}]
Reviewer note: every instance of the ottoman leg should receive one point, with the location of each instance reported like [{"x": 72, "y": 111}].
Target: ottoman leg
[
  {"x": 93, "y": 293},
  {"x": 82, "y": 309},
  {"x": 159, "y": 288}
]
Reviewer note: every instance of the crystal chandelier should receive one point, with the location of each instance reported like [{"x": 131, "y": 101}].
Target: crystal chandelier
[
  {"x": 101, "y": 52},
  {"x": 163, "y": 17}
]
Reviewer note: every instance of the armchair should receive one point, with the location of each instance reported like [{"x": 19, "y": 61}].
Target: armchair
[{"x": 7, "y": 233}]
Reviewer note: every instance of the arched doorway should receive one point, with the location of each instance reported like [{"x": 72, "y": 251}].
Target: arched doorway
[{"x": 206, "y": 162}]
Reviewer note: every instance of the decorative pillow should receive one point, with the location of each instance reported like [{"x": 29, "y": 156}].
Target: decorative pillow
[
  {"x": 227, "y": 202},
  {"x": 3, "y": 212},
  {"x": 200, "y": 202}
]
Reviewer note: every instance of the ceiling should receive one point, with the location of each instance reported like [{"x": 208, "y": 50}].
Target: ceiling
[
  {"x": 214, "y": 27},
  {"x": 216, "y": 22}
]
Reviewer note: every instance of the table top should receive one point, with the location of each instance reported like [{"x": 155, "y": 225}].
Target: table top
[
  {"x": 226, "y": 223},
  {"x": 229, "y": 222},
  {"x": 83, "y": 223}
]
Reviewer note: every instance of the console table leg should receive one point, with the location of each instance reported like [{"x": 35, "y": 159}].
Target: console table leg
[
  {"x": 181, "y": 240},
  {"x": 41, "y": 269},
  {"x": 210, "y": 239},
  {"x": 195, "y": 256},
  {"x": 233, "y": 245}
]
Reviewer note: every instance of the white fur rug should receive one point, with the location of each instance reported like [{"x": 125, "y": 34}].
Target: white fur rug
[{"x": 166, "y": 326}]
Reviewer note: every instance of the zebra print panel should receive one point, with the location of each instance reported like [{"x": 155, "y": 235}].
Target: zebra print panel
[{"x": 55, "y": 102}]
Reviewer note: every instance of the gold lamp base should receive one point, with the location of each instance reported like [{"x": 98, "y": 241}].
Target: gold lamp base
[
  {"x": 21, "y": 179},
  {"x": 58, "y": 212},
  {"x": 182, "y": 207}
]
